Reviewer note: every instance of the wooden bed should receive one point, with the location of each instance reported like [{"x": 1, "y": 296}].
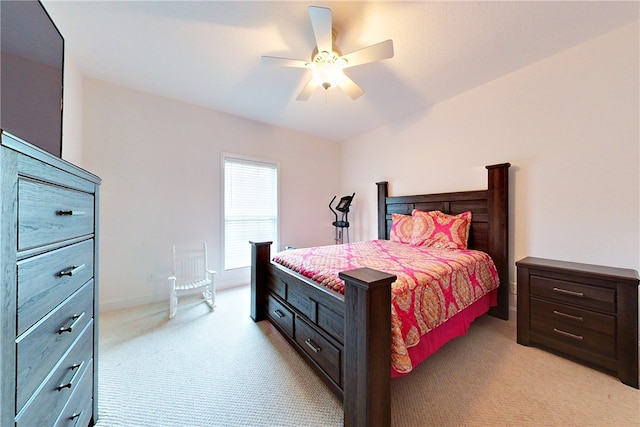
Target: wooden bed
[{"x": 346, "y": 338}]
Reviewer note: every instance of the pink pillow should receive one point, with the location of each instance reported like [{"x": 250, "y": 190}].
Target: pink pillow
[
  {"x": 438, "y": 230},
  {"x": 401, "y": 228}
]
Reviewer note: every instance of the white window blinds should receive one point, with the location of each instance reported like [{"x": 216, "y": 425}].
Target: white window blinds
[{"x": 250, "y": 207}]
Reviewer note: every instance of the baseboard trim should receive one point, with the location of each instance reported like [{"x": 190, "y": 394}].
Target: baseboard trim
[{"x": 152, "y": 299}]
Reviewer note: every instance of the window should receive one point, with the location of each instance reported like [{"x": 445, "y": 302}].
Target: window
[{"x": 250, "y": 207}]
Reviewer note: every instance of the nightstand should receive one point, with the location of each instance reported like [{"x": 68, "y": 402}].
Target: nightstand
[{"x": 586, "y": 312}]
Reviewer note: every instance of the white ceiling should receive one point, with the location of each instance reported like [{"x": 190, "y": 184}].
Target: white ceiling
[{"x": 208, "y": 52}]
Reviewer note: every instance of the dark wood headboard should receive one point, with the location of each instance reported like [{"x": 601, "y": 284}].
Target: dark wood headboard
[{"x": 490, "y": 220}]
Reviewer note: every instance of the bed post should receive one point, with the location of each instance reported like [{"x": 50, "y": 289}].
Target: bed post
[
  {"x": 260, "y": 258},
  {"x": 367, "y": 346},
  {"x": 498, "y": 209},
  {"x": 383, "y": 192}
]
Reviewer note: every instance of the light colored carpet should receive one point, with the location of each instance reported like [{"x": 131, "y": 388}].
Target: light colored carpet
[{"x": 220, "y": 368}]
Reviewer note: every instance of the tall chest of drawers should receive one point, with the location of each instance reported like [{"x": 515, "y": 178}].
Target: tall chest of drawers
[
  {"x": 49, "y": 287},
  {"x": 584, "y": 311}
]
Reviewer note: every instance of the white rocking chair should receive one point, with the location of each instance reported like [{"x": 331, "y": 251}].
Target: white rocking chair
[{"x": 191, "y": 275}]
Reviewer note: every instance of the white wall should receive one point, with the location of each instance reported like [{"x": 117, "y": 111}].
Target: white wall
[
  {"x": 72, "y": 113},
  {"x": 160, "y": 162},
  {"x": 569, "y": 125}
]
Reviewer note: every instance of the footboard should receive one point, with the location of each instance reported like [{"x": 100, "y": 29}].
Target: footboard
[{"x": 346, "y": 340}]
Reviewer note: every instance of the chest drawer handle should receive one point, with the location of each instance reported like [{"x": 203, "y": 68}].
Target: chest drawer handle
[
  {"x": 568, "y": 316},
  {"x": 70, "y": 213},
  {"x": 77, "y": 367},
  {"x": 74, "y": 321},
  {"x": 278, "y": 313},
  {"x": 312, "y": 345},
  {"x": 71, "y": 270},
  {"x": 568, "y": 334},
  {"x": 568, "y": 292},
  {"x": 75, "y": 416}
]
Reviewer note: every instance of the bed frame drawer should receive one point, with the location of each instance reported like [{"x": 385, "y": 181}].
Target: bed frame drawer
[
  {"x": 301, "y": 301},
  {"x": 281, "y": 315},
  {"x": 325, "y": 354},
  {"x": 331, "y": 322},
  {"x": 278, "y": 287}
]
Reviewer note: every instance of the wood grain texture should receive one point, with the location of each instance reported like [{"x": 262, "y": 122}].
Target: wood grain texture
[
  {"x": 41, "y": 287},
  {"x": 41, "y": 347},
  {"x": 367, "y": 388},
  {"x": 34, "y": 243},
  {"x": 365, "y": 341},
  {"x": 8, "y": 273},
  {"x": 48, "y": 214},
  {"x": 586, "y": 312}
]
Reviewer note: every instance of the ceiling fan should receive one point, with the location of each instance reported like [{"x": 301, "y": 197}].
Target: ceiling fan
[{"x": 327, "y": 61}]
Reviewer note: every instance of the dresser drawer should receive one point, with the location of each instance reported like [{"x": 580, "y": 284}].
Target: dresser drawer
[
  {"x": 281, "y": 315},
  {"x": 50, "y": 400},
  {"x": 78, "y": 410},
  {"x": 49, "y": 214},
  {"x": 572, "y": 335},
  {"x": 593, "y": 297},
  {"x": 564, "y": 314},
  {"x": 325, "y": 354},
  {"x": 45, "y": 280},
  {"x": 40, "y": 348}
]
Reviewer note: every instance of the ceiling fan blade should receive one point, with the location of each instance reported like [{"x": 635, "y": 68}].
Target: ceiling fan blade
[
  {"x": 376, "y": 52},
  {"x": 350, "y": 88},
  {"x": 307, "y": 91},
  {"x": 321, "y": 23},
  {"x": 285, "y": 62}
]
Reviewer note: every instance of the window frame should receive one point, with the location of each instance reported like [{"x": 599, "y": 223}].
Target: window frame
[{"x": 247, "y": 159}]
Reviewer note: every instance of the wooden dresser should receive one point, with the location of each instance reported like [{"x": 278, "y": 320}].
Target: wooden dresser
[
  {"x": 48, "y": 252},
  {"x": 586, "y": 312}
]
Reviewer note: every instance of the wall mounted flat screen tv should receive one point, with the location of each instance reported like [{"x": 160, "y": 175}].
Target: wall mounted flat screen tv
[{"x": 31, "y": 75}]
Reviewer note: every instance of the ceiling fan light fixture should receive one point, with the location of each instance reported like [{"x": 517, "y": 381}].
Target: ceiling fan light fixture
[
  {"x": 342, "y": 62},
  {"x": 327, "y": 74},
  {"x": 327, "y": 62}
]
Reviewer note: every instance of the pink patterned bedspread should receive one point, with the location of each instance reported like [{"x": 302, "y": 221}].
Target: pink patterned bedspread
[{"x": 432, "y": 284}]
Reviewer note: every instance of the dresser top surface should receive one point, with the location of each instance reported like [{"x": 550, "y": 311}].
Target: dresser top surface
[
  {"x": 12, "y": 142},
  {"x": 625, "y": 274}
]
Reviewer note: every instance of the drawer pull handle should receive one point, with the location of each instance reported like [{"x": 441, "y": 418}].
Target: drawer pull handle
[
  {"x": 76, "y": 416},
  {"x": 69, "y": 384},
  {"x": 312, "y": 345},
  {"x": 74, "y": 321},
  {"x": 568, "y": 316},
  {"x": 278, "y": 313},
  {"x": 70, "y": 213},
  {"x": 567, "y": 292},
  {"x": 568, "y": 334},
  {"x": 71, "y": 270}
]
